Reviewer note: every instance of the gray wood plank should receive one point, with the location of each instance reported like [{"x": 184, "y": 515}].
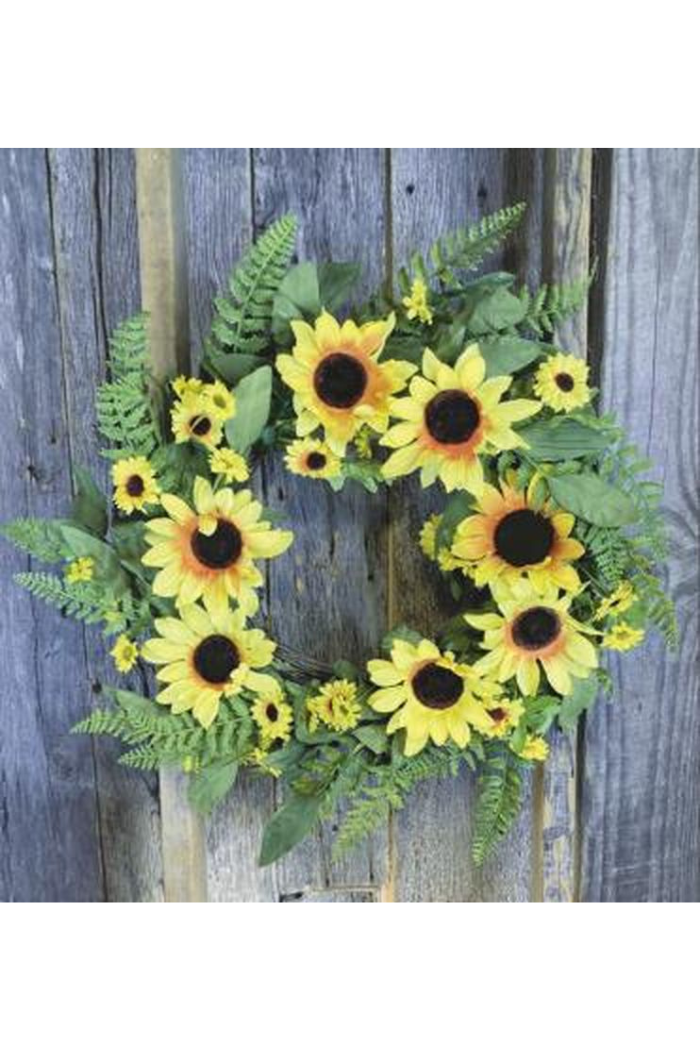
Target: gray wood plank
[
  {"x": 641, "y": 793},
  {"x": 433, "y": 191},
  {"x": 327, "y": 595},
  {"x": 49, "y": 816},
  {"x": 94, "y": 213}
]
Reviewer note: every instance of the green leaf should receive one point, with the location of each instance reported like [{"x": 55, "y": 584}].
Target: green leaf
[
  {"x": 231, "y": 367},
  {"x": 583, "y": 697},
  {"x": 458, "y": 506},
  {"x": 89, "y": 507},
  {"x": 589, "y": 497},
  {"x": 496, "y": 311},
  {"x": 335, "y": 281},
  {"x": 107, "y": 566},
  {"x": 211, "y": 784},
  {"x": 510, "y": 353},
  {"x": 562, "y": 439},
  {"x": 401, "y": 631},
  {"x": 289, "y": 825},
  {"x": 253, "y": 398},
  {"x": 373, "y": 737},
  {"x": 301, "y": 287},
  {"x": 136, "y": 705}
]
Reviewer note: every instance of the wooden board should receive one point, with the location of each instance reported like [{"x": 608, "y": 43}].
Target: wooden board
[{"x": 641, "y": 787}]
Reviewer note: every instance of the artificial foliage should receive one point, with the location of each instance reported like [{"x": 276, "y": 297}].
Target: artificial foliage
[{"x": 550, "y": 537}]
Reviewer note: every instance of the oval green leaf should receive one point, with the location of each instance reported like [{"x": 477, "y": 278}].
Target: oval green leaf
[
  {"x": 561, "y": 439},
  {"x": 594, "y": 500},
  {"x": 253, "y": 397}
]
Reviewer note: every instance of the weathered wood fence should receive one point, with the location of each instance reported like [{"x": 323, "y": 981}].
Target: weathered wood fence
[{"x": 85, "y": 237}]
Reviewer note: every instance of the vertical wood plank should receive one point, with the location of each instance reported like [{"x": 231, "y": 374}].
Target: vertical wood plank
[
  {"x": 433, "y": 191},
  {"x": 641, "y": 792},
  {"x": 218, "y": 207},
  {"x": 93, "y": 201},
  {"x": 164, "y": 295},
  {"x": 49, "y": 817},
  {"x": 327, "y": 594},
  {"x": 567, "y": 255}
]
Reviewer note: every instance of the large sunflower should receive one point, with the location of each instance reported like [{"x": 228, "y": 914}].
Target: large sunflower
[
  {"x": 534, "y": 630},
  {"x": 431, "y": 695},
  {"x": 208, "y": 654},
  {"x": 210, "y": 550},
  {"x": 337, "y": 380},
  {"x": 452, "y": 414},
  {"x": 509, "y": 538}
]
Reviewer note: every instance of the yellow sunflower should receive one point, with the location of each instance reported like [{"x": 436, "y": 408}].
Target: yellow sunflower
[
  {"x": 561, "y": 382},
  {"x": 535, "y": 749},
  {"x": 534, "y": 629},
  {"x": 335, "y": 705},
  {"x": 337, "y": 379},
  {"x": 504, "y": 716},
  {"x": 195, "y": 417},
  {"x": 210, "y": 550},
  {"x": 273, "y": 716},
  {"x": 205, "y": 655},
  {"x": 124, "y": 653},
  {"x": 621, "y": 599},
  {"x": 451, "y": 415},
  {"x": 417, "y": 303},
  {"x": 623, "y": 636},
  {"x": 134, "y": 484},
  {"x": 222, "y": 400},
  {"x": 509, "y": 538},
  {"x": 187, "y": 384},
  {"x": 229, "y": 464},
  {"x": 312, "y": 459},
  {"x": 432, "y": 696}
]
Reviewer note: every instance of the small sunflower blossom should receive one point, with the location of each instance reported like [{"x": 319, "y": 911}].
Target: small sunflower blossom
[
  {"x": 509, "y": 536},
  {"x": 621, "y": 599},
  {"x": 195, "y": 417},
  {"x": 452, "y": 414},
  {"x": 622, "y": 636},
  {"x": 187, "y": 385},
  {"x": 124, "y": 653},
  {"x": 430, "y": 695},
  {"x": 135, "y": 485},
  {"x": 273, "y": 716},
  {"x": 533, "y": 630},
  {"x": 504, "y": 715},
  {"x": 338, "y": 381},
  {"x": 229, "y": 465},
  {"x": 207, "y": 654},
  {"x": 427, "y": 537},
  {"x": 363, "y": 443},
  {"x": 534, "y": 749},
  {"x": 222, "y": 400},
  {"x": 416, "y": 303},
  {"x": 561, "y": 383},
  {"x": 80, "y": 570},
  {"x": 335, "y": 705},
  {"x": 310, "y": 458}
]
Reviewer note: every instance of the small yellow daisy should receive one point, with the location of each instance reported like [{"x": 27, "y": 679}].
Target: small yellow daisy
[
  {"x": 621, "y": 599},
  {"x": 135, "y": 484},
  {"x": 222, "y": 400},
  {"x": 124, "y": 653},
  {"x": 229, "y": 464},
  {"x": 561, "y": 382},
  {"x": 535, "y": 749},
  {"x": 80, "y": 571},
  {"x": 622, "y": 637},
  {"x": 187, "y": 384},
  {"x": 417, "y": 303},
  {"x": 335, "y": 705}
]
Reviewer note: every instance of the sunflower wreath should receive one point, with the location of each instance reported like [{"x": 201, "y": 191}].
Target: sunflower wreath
[{"x": 549, "y": 537}]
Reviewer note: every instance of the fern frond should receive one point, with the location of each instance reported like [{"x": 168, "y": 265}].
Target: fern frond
[
  {"x": 553, "y": 303},
  {"x": 498, "y": 801},
  {"x": 42, "y": 539},
  {"x": 464, "y": 249},
  {"x": 125, "y": 414},
  {"x": 242, "y": 318},
  {"x": 610, "y": 550},
  {"x": 86, "y": 601}
]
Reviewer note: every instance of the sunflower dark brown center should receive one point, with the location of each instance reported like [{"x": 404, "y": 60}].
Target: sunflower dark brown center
[
  {"x": 135, "y": 485},
  {"x": 535, "y": 628},
  {"x": 215, "y": 658},
  {"x": 497, "y": 714},
  {"x": 272, "y": 713},
  {"x": 221, "y": 549},
  {"x": 564, "y": 381},
  {"x": 340, "y": 380},
  {"x": 200, "y": 425},
  {"x": 524, "y": 537},
  {"x": 316, "y": 461},
  {"x": 451, "y": 417},
  {"x": 437, "y": 687}
]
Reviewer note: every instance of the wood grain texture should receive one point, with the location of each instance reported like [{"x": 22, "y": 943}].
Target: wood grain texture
[
  {"x": 93, "y": 200},
  {"x": 164, "y": 295},
  {"x": 433, "y": 191},
  {"x": 327, "y": 594},
  {"x": 566, "y": 258},
  {"x": 49, "y": 816},
  {"x": 641, "y": 791}
]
